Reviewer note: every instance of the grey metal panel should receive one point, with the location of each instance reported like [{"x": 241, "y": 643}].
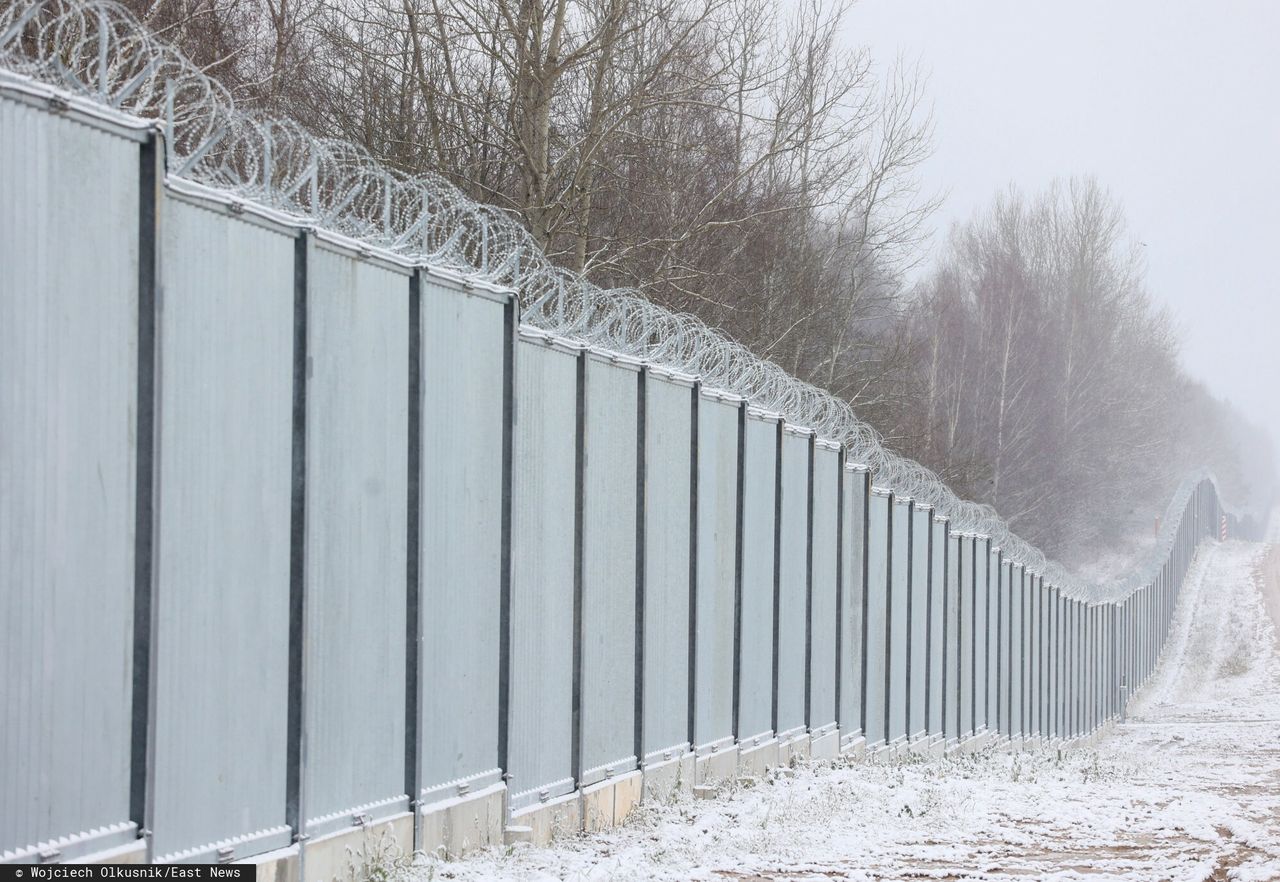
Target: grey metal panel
[
  {"x": 1040, "y": 656},
  {"x": 989, "y": 560},
  {"x": 1068, "y": 661},
  {"x": 225, "y": 436},
  {"x": 793, "y": 578},
  {"x": 68, "y": 363},
  {"x": 609, "y": 570},
  {"x": 1072, "y": 669},
  {"x": 1064, "y": 666},
  {"x": 1095, "y": 664},
  {"x": 979, "y": 631},
  {"x": 1075, "y": 668},
  {"x": 898, "y": 620},
  {"x": 1004, "y": 673},
  {"x": 937, "y": 623},
  {"x": 877, "y": 616},
  {"x": 968, "y": 645},
  {"x": 1031, "y": 669},
  {"x": 852, "y": 598},
  {"x": 462, "y": 351},
  {"x": 356, "y": 523},
  {"x": 1104, "y": 660},
  {"x": 823, "y": 620},
  {"x": 1055, "y": 660},
  {"x": 922, "y": 524},
  {"x": 1041, "y": 667},
  {"x": 759, "y": 515},
  {"x": 1018, "y": 641},
  {"x": 668, "y": 493},
  {"x": 1089, "y": 666},
  {"x": 1069, "y": 672},
  {"x": 952, "y": 630},
  {"x": 717, "y": 553},
  {"x": 542, "y": 573},
  {"x": 1049, "y": 666},
  {"x": 1028, "y": 653}
]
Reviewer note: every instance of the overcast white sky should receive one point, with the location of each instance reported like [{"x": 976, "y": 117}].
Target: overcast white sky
[{"x": 1174, "y": 106}]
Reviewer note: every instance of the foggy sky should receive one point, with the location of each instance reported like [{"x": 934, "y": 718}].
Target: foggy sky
[{"x": 1174, "y": 107}]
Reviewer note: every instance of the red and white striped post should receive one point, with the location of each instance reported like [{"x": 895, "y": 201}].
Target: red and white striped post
[{"x": 1223, "y": 537}]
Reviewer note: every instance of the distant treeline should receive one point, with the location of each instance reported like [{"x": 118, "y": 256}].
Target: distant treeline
[{"x": 742, "y": 160}]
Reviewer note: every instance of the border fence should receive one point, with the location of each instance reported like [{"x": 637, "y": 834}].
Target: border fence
[{"x": 299, "y": 533}]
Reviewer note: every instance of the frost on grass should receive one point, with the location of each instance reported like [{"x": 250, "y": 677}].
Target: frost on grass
[{"x": 1188, "y": 788}]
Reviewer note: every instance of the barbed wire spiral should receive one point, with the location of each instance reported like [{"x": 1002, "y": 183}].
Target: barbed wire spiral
[{"x": 98, "y": 50}]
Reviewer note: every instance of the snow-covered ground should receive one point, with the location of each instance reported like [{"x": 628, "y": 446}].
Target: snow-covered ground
[{"x": 1187, "y": 789}]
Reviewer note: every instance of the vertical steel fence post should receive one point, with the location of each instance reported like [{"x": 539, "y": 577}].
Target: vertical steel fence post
[
  {"x": 737, "y": 580},
  {"x": 841, "y": 563},
  {"x": 947, "y": 636},
  {"x": 146, "y": 492},
  {"x": 929, "y": 642},
  {"x": 906, "y": 695},
  {"x": 695, "y": 396},
  {"x": 866, "y": 600},
  {"x": 777, "y": 566},
  {"x": 808, "y": 592},
  {"x": 579, "y": 503},
  {"x": 295, "y": 798},
  {"x": 888, "y": 615},
  {"x": 510, "y": 331},
  {"x": 642, "y": 412},
  {"x": 413, "y": 548}
]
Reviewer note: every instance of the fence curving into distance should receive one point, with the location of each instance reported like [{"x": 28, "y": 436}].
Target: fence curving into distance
[{"x": 326, "y": 500}]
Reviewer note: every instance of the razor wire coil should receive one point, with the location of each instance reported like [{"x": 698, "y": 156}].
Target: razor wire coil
[{"x": 98, "y": 50}]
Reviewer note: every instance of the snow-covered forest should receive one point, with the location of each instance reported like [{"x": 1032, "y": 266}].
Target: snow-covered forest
[{"x": 745, "y": 161}]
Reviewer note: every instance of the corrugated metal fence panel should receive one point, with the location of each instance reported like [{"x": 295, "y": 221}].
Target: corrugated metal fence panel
[
  {"x": 1036, "y": 647},
  {"x": 899, "y": 621},
  {"x": 1028, "y": 649},
  {"x": 1069, "y": 691},
  {"x": 968, "y": 645},
  {"x": 542, "y": 573},
  {"x": 717, "y": 564},
  {"x": 824, "y": 621},
  {"x": 463, "y": 347},
  {"x": 668, "y": 493},
  {"x": 759, "y": 517},
  {"x": 1095, "y": 663},
  {"x": 951, "y": 669},
  {"x": 853, "y": 599},
  {"x": 979, "y": 632},
  {"x": 1037, "y": 657},
  {"x": 609, "y": 570},
  {"x": 225, "y": 418},
  {"x": 1102, "y": 656},
  {"x": 1048, "y": 668},
  {"x": 937, "y": 623},
  {"x": 1018, "y": 622},
  {"x": 989, "y": 560},
  {"x": 793, "y": 579},
  {"x": 68, "y": 358},
  {"x": 1055, "y": 662},
  {"x": 1087, "y": 666},
  {"x": 877, "y": 612},
  {"x": 1004, "y": 603},
  {"x": 922, "y": 521},
  {"x": 356, "y": 523}
]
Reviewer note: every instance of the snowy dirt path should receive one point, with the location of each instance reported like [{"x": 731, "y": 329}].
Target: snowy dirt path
[{"x": 1187, "y": 789}]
